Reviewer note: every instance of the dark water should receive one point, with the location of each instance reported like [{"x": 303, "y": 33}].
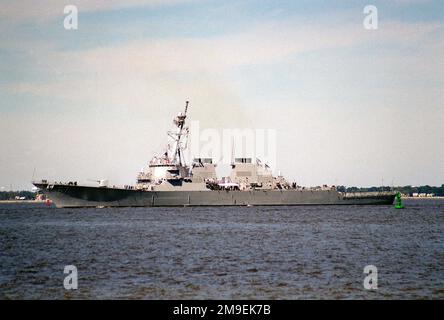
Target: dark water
[{"x": 223, "y": 253}]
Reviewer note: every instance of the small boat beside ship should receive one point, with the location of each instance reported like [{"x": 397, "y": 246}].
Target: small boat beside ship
[{"x": 169, "y": 181}]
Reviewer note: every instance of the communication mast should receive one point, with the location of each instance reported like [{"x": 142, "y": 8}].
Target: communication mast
[{"x": 181, "y": 130}]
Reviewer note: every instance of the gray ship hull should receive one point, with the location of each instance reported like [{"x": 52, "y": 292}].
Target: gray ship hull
[{"x": 83, "y": 196}]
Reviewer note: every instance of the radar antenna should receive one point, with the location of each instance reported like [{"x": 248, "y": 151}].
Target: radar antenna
[{"x": 179, "y": 121}]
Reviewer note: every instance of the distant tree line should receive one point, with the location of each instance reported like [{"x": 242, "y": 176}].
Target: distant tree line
[
  {"x": 410, "y": 190},
  {"x": 10, "y": 195}
]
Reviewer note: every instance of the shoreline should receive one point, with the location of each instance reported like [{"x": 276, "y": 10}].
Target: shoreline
[
  {"x": 423, "y": 198},
  {"x": 21, "y": 201}
]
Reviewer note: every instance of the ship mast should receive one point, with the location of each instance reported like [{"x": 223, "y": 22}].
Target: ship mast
[{"x": 179, "y": 121}]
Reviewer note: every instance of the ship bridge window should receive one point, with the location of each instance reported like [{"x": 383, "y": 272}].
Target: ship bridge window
[
  {"x": 242, "y": 160},
  {"x": 203, "y": 160}
]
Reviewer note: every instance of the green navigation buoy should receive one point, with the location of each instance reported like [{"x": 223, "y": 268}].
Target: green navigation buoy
[{"x": 398, "y": 203}]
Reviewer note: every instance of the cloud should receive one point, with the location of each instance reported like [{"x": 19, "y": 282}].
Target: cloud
[
  {"x": 261, "y": 45},
  {"x": 24, "y": 10},
  {"x": 411, "y": 1},
  {"x": 125, "y": 77}
]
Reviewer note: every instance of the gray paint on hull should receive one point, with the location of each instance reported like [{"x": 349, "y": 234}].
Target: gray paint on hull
[{"x": 81, "y": 196}]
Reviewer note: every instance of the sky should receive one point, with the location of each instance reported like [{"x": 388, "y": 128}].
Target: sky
[{"x": 350, "y": 106}]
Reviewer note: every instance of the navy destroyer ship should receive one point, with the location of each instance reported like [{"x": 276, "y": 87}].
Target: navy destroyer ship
[{"x": 169, "y": 181}]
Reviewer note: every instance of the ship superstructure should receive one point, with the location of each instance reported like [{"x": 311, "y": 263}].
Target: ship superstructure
[{"x": 170, "y": 171}]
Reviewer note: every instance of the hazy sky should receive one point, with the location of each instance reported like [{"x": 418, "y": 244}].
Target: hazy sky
[{"x": 350, "y": 106}]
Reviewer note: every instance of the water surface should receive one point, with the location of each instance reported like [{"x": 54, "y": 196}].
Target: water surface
[{"x": 307, "y": 252}]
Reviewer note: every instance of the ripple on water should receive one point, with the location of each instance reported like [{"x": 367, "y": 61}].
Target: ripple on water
[{"x": 226, "y": 253}]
